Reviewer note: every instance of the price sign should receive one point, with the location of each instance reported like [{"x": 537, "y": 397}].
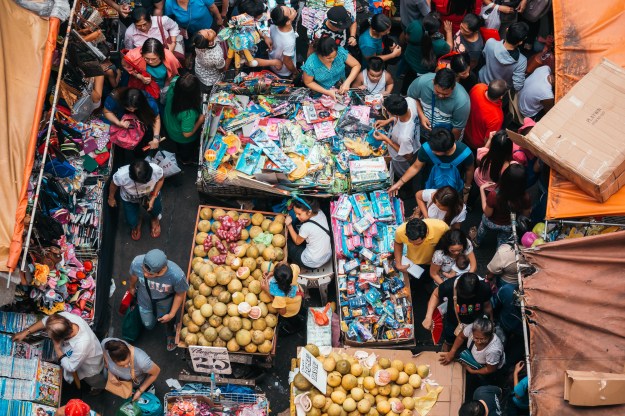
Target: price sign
[
  {"x": 211, "y": 360},
  {"x": 312, "y": 369}
]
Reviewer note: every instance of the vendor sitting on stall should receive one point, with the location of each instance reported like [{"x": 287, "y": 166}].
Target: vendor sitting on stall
[
  {"x": 281, "y": 285},
  {"x": 140, "y": 185},
  {"x": 76, "y": 346},
  {"x": 311, "y": 247},
  {"x": 325, "y": 69},
  {"x": 160, "y": 286},
  {"x": 421, "y": 237}
]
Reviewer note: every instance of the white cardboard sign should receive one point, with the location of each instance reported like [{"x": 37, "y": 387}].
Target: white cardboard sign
[
  {"x": 211, "y": 360},
  {"x": 312, "y": 369}
]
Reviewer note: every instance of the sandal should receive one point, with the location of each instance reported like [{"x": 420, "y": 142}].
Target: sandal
[
  {"x": 135, "y": 234},
  {"x": 171, "y": 343},
  {"x": 155, "y": 232},
  {"x": 473, "y": 236}
]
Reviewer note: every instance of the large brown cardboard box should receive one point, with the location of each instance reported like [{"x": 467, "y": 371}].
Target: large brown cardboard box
[
  {"x": 583, "y": 136},
  {"x": 590, "y": 388}
]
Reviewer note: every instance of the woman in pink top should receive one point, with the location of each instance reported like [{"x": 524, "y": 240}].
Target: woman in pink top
[{"x": 493, "y": 158}]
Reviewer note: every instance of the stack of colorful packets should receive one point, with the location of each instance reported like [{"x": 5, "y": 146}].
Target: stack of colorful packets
[{"x": 374, "y": 298}]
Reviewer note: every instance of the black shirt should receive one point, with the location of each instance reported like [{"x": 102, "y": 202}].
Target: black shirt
[
  {"x": 491, "y": 395},
  {"x": 469, "y": 309}
]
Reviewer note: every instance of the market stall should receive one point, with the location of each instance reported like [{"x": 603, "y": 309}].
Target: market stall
[
  {"x": 266, "y": 138},
  {"x": 389, "y": 381},
  {"x": 225, "y": 305}
]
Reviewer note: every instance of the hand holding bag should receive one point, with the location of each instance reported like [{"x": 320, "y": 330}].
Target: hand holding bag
[
  {"x": 127, "y": 138},
  {"x": 460, "y": 326},
  {"x": 152, "y": 88},
  {"x": 119, "y": 387},
  {"x": 167, "y": 161}
]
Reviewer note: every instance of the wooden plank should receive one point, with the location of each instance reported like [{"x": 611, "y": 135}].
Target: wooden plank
[{"x": 218, "y": 380}]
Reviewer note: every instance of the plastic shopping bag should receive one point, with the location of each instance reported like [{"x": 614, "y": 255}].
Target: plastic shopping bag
[{"x": 167, "y": 161}]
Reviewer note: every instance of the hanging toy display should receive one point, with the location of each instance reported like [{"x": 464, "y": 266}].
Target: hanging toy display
[{"x": 242, "y": 36}]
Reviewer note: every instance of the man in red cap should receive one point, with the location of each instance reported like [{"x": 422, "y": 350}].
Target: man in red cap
[{"x": 75, "y": 407}]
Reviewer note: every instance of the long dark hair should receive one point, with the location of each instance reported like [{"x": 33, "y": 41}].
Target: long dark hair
[
  {"x": 187, "y": 94},
  {"x": 283, "y": 275},
  {"x": 118, "y": 350},
  {"x": 431, "y": 25},
  {"x": 154, "y": 46},
  {"x": 450, "y": 199},
  {"x": 453, "y": 237},
  {"x": 499, "y": 153},
  {"x": 132, "y": 97},
  {"x": 511, "y": 187}
]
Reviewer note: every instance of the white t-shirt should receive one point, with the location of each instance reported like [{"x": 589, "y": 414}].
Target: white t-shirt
[
  {"x": 283, "y": 45},
  {"x": 492, "y": 354},
  {"x": 83, "y": 351},
  {"x": 436, "y": 212},
  {"x": 406, "y": 135},
  {"x": 535, "y": 89},
  {"x": 132, "y": 191},
  {"x": 318, "y": 246}
]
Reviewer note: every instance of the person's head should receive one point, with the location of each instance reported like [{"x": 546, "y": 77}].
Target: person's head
[
  {"x": 462, "y": 261},
  {"x": 254, "y": 8},
  {"x": 142, "y": 19},
  {"x": 453, "y": 243},
  {"x": 444, "y": 83},
  {"x": 154, "y": 263},
  {"x": 375, "y": 68},
  {"x": 461, "y": 65},
  {"x": 205, "y": 38},
  {"x": 381, "y": 24},
  {"x": 468, "y": 285},
  {"x": 187, "y": 94},
  {"x": 283, "y": 275},
  {"x": 153, "y": 52},
  {"x": 326, "y": 49},
  {"x": 431, "y": 26},
  {"x": 472, "y": 408},
  {"x": 499, "y": 153},
  {"x": 471, "y": 23},
  {"x": 76, "y": 407},
  {"x": 396, "y": 105},
  {"x": 483, "y": 332},
  {"x": 517, "y": 33},
  {"x": 416, "y": 230},
  {"x": 305, "y": 208},
  {"x": 339, "y": 18},
  {"x": 448, "y": 200},
  {"x": 134, "y": 101},
  {"x": 441, "y": 141},
  {"x": 140, "y": 171},
  {"x": 59, "y": 328},
  {"x": 283, "y": 15},
  {"x": 497, "y": 88},
  {"x": 511, "y": 185},
  {"x": 119, "y": 352}
]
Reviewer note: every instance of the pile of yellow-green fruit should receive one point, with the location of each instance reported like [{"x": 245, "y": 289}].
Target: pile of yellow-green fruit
[
  {"x": 353, "y": 389},
  {"x": 225, "y": 306}
]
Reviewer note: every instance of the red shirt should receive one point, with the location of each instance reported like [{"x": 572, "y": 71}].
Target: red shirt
[{"x": 485, "y": 116}]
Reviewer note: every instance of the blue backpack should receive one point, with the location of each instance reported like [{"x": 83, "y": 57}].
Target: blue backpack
[
  {"x": 150, "y": 405},
  {"x": 445, "y": 174}
]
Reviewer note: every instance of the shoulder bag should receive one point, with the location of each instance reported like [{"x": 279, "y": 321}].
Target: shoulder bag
[
  {"x": 178, "y": 49},
  {"x": 460, "y": 326},
  {"x": 119, "y": 387},
  {"x": 127, "y": 138}
]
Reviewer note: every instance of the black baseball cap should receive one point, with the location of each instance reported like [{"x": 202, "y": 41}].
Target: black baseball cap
[{"x": 339, "y": 17}]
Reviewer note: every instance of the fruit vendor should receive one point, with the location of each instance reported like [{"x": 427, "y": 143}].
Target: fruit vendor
[
  {"x": 160, "y": 291},
  {"x": 281, "y": 284},
  {"x": 311, "y": 246},
  {"x": 420, "y": 237}
]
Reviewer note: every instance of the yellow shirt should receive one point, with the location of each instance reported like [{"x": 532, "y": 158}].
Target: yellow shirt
[{"x": 422, "y": 253}]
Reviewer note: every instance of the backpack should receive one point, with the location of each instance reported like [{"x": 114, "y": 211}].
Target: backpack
[
  {"x": 127, "y": 138},
  {"x": 150, "y": 405},
  {"x": 445, "y": 174}
]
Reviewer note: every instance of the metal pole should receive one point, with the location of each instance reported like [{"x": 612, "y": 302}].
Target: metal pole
[
  {"x": 522, "y": 301},
  {"x": 45, "y": 148}
]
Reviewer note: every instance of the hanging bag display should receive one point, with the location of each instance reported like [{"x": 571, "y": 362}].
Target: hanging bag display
[
  {"x": 119, "y": 387},
  {"x": 127, "y": 138}
]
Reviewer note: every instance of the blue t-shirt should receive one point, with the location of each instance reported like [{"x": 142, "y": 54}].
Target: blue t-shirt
[
  {"x": 196, "y": 17},
  {"x": 114, "y": 107},
  {"x": 323, "y": 76},
  {"x": 274, "y": 290},
  {"x": 523, "y": 402},
  {"x": 158, "y": 73},
  {"x": 369, "y": 46}
]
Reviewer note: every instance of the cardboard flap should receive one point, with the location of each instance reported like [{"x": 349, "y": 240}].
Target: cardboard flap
[{"x": 590, "y": 388}]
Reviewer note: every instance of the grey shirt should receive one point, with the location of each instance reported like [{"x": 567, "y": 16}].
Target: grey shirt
[
  {"x": 142, "y": 363},
  {"x": 162, "y": 287},
  {"x": 410, "y": 10}
]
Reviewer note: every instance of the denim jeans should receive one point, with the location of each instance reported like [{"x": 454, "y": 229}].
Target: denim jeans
[
  {"x": 503, "y": 231},
  {"x": 132, "y": 211},
  {"x": 162, "y": 308}
]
